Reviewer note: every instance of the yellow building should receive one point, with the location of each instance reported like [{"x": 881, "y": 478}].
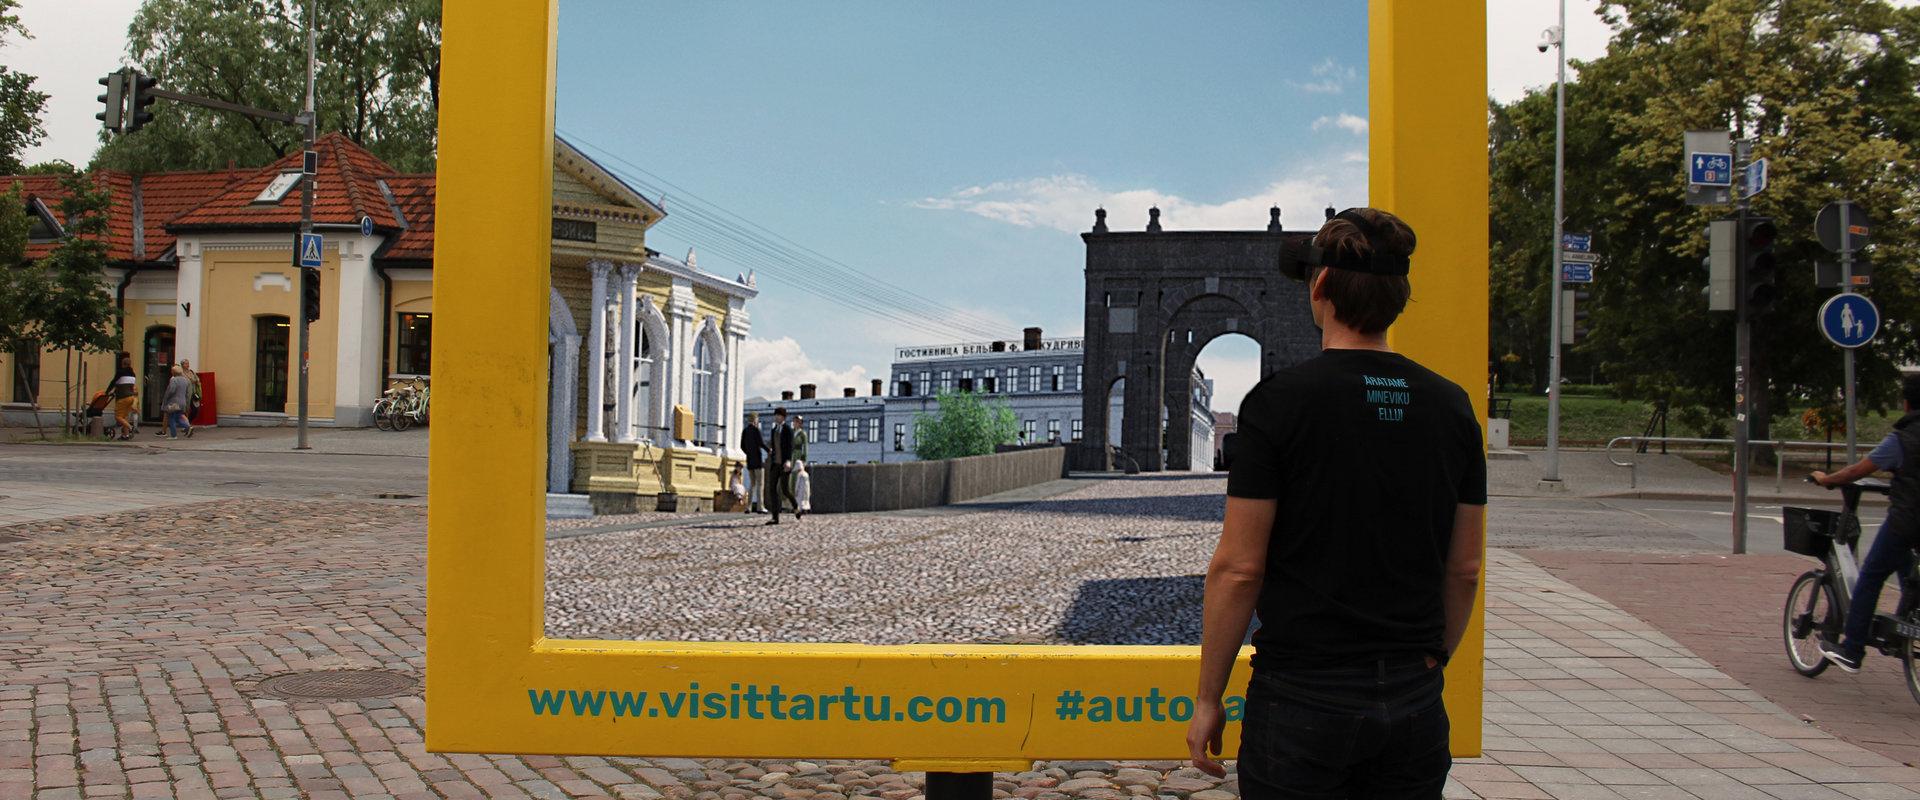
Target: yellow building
[{"x": 201, "y": 266}]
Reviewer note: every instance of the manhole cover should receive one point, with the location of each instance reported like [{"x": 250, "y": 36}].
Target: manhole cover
[
  {"x": 395, "y": 496},
  {"x": 339, "y": 684}
]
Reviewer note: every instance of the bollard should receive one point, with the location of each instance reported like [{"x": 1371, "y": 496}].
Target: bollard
[{"x": 959, "y": 786}]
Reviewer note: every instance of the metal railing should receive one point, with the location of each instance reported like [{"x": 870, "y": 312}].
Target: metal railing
[{"x": 1779, "y": 465}]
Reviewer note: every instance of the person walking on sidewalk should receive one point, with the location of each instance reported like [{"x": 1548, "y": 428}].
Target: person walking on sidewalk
[
  {"x": 1354, "y": 525},
  {"x": 175, "y": 402},
  {"x": 780, "y": 457},
  {"x": 755, "y": 447},
  {"x": 123, "y": 393},
  {"x": 1893, "y": 547},
  {"x": 193, "y": 404}
]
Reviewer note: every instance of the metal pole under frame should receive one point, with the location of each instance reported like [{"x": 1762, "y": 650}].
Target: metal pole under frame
[
  {"x": 306, "y": 227},
  {"x": 1846, "y": 287},
  {"x": 1743, "y": 387},
  {"x": 1559, "y": 227}
]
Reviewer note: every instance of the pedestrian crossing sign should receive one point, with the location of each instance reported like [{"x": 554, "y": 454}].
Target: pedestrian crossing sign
[{"x": 309, "y": 251}]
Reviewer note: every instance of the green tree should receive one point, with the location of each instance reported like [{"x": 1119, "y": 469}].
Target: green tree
[
  {"x": 1828, "y": 89},
  {"x": 377, "y": 81},
  {"x": 22, "y": 284},
  {"x": 20, "y": 104},
  {"x": 963, "y": 425},
  {"x": 76, "y": 313}
]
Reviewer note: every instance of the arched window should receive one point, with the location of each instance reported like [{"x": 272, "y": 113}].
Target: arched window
[
  {"x": 643, "y": 361},
  {"x": 706, "y": 391}
]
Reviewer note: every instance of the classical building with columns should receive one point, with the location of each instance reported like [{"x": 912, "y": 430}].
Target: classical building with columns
[{"x": 646, "y": 380}]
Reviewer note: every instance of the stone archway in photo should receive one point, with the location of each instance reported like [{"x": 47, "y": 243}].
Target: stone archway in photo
[{"x": 1154, "y": 299}]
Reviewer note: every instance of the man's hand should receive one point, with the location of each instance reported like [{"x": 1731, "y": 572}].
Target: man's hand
[
  {"x": 1203, "y": 736},
  {"x": 1821, "y": 478}
]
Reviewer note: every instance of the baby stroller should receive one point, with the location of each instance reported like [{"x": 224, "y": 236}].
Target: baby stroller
[{"x": 108, "y": 427}]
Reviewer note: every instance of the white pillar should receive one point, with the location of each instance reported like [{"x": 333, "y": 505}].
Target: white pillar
[
  {"x": 680, "y": 311},
  {"x": 623, "y": 386},
  {"x": 565, "y": 371},
  {"x": 734, "y": 413},
  {"x": 597, "y": 354}
]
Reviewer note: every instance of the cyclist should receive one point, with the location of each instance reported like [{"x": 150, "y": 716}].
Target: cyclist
[{"x": 1893, "y": 548}]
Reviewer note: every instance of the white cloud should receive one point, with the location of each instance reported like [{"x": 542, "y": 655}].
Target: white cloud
[
  {"x": 1328, "y": 78},
  {"x": 1346, "y": 122},
  {"x": 1066, "y": 202},
  {"x": 73, "y": 45},
  {"x": 1514, "y": 60},
  {"x": 776, "y": 365}
]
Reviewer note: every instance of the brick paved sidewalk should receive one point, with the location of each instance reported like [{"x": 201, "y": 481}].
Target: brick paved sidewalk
[
  {"x": 1730, "y": 616},
  {"x": 130, "y": 646}
]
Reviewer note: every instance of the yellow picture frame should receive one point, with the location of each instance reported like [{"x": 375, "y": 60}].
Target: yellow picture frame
[{"x": 488, "y": 659}]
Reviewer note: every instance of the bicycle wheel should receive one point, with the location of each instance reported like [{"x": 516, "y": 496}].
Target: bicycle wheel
[
  {"x": 1812, "y": 611},
  {"x": 381, "y": 408},
  {"x": 402, "y": 419},
  {"x": 1911, "y": 655}
]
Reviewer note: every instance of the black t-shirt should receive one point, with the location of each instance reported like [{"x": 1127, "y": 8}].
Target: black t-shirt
[{"x": 1368, "y": 454}]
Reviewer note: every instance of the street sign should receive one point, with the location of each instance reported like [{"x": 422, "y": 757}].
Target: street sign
[
  {"x": 1849, "y": 320},
  {"x": 310, "y": 249},
  {"x": 1756, "y": 177},
  {"x": 1827, "y": 226},
  {"x": 1826, "y": 274},
  {"x": 1575, "y": 257},
  {"x": 1710, "y": 169},
  {"x": 1576, "y": 242},
  {"x": 1576, "y": 273},
  {"x": 366, "y": 226},
  {"x": 1715, "y": 142}
]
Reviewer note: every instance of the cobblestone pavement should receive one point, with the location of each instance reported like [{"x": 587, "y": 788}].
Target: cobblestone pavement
[
  {"x": 1731, "y": 618},
  {"x": 131, "y": 646}
]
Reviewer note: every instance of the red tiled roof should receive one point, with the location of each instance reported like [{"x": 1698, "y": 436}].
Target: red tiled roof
[
  {"x": 165, "y": 196},
  {"x": 345, "y": 189},
  {"x": 414, "y": 195},
  {"x": 162, "y": 197}
]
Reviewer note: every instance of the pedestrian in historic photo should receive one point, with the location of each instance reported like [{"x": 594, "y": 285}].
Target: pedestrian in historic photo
[
  {"x": 755, "y": 446},
  {"x": 1354, "y": 524},
  {"x": 802, "y": 490},
  {"x": 174, "y": 404},
  {"x": 779, "y": 458},
  {"x": 795, "y": 461},
  {"x": 123, "y": 393}
]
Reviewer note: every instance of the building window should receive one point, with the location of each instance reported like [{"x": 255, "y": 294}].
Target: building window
[
  {"x": 904, "y": 386},
  {"x": 926, "y": 382},
  {"x": 1059, "y": 378},
  {"x": 813, "y": 430},
  {"x": 1076, "y": 430},
  {"x": 946, "y": 380},
  {"x": 1028, "y": 430},
  {"x": 833, "y": 431},
  {"x": 706, "y": 392},
  {"x": 899, "y": 437},
  {"x": 1078, "y": 371},
  {"x": 415, "y": 334},
  {"x": 966, "y": 380},
  {"x": 853, "y": 430},
  {"x": 989, "y": 386},
  {"x": 26, "y": 372},
  {"x": 873, "y": 430},
  {"x": 643, "y": 383},
  {"x": 1033, "y": 379},
  {"x": 1053, "y": 430}
]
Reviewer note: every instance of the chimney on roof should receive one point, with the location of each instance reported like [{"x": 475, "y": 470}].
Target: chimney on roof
[
  {"x": 877, "y": 386},
  {"x": 849, "y": 392},
  {"x": 1032, "y": 341},
  {"x": 1153, "y": 219},
  {"x": 786, "y": 395},
  {"x": 999, "y": 347},
  {"x": 808, "y": 391}
]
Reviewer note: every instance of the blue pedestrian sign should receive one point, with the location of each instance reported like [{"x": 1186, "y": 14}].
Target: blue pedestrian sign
[
  {"x": 310, "y": 248},
  {"x": 1577, "y": 242},
  {"x": 1849, "y": 320},
  {"x": 1571, "y": 272},
  {"x": 1710, "y": 169}
]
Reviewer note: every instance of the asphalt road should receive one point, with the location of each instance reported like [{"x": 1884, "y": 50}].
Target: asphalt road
[
  {"x": 1637, "y": 525},
  {"x": 288, "y": 475}
]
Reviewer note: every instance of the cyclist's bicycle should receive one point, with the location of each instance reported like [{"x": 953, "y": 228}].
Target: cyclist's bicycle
[
  {"x": 1817, "y": 604},
  {"x": 400, "y": 406}
]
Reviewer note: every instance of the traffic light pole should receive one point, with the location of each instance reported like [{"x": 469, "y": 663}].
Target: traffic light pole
[
  {"x": 306, "y": 224},
  {"x": 1846, "y": 287},
  {"x": 1742, "y": 360}
]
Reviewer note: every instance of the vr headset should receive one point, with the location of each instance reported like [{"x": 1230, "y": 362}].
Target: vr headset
[{"x": 1298, "y": 258}]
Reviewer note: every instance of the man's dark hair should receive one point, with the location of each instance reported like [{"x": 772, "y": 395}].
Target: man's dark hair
[
  {"x": 1365, "y": 301},
  {"x": 1910, "y": 391},
  {"x": 780, "y": 412}
]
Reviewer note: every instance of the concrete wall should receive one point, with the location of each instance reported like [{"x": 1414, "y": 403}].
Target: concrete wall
[{"x": 920, "y": 484}]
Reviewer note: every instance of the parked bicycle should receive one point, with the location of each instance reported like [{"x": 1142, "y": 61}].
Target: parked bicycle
[
  {"x": 402, "y": 406},
  {"x": 1817, "y": 603}
]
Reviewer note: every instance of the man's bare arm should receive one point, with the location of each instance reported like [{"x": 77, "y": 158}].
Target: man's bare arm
[
  {"x": 1847, "y": 474},
  {"x": 1462, "y": 578},
  {"x": 1233, "y": 587}
]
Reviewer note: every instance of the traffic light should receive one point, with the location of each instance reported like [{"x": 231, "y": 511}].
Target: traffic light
[
  {"x": 1757, "y": 260},
  {"x": 1573, "y": 313},
  {"x": 115, "y": 100},
  {"x": 141, "y": 87},
  {"x": 310, "y": 294}
]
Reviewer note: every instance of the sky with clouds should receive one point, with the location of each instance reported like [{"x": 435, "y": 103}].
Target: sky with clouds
[{"x": 951, "y": 150}]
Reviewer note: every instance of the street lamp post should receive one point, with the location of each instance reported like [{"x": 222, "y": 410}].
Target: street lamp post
[{"x": 1556, "y": 37}]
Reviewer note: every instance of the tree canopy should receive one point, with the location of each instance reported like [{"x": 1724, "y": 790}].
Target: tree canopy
[
  {"x": 20, "y": 104},
  {"x": 1828, "y": 90},
  {"x": 963, "y": 425},
  {"x": 378, "y": 77}
]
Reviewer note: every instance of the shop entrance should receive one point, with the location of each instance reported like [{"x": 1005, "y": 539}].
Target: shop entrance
[
  {"x": 270, "y": 364},
  {"x": 158, "y": 347}
]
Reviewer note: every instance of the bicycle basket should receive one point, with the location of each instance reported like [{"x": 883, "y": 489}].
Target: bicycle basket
[{"x": 1811, "y": 531}]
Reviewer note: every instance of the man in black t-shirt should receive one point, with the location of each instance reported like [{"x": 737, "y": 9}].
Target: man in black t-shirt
[{"x": 1355, "y": 523}]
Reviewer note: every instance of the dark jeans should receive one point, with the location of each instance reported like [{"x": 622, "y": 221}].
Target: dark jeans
[
  {"x": 1891, "y": 553},
  {"x": 1372, "y": 730}
]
